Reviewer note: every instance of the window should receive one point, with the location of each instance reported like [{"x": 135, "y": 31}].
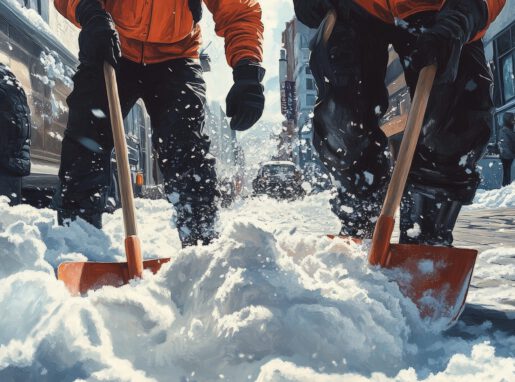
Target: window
[
  {"x": 504, "y": 42},
  {"x": 505, "y": 64},
  {"x": 308, "y": 69},
  {"x": 508, "y": 79},
  {"x": 310, "y": 100},
  {"x": 304, "y": 43},
  {"x": 310, "y": 84}
]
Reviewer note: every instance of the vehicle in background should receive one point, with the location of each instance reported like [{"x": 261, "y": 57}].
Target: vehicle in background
[
  {"x": 44, "y": 65},
  {"x": 279, "y": 179}
]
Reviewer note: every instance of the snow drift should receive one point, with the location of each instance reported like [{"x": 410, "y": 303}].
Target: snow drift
[
  {"x": 501, "y": 198},
  {"x": 240, "y": 309}
]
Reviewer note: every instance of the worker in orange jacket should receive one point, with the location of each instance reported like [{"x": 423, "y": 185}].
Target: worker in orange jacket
[
  {"x": 350, "y": 75},
  {"x": 154, "y": 46}
]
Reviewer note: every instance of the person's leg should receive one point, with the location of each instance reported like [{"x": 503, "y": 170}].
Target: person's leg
[
  {"x": 346, "y": 119},
  {"x": 85, "y": 171},
  {"x": 456, "y": 129},
  {"x": 506, "y": 171},
  {"x": 175, "y": 98},
  {"x": 10, "y": 186}
]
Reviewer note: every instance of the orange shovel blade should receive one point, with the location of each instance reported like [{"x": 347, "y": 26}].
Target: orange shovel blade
[
  {"x": 436, "y": 279},
  {"x": 80, "y": 277}
]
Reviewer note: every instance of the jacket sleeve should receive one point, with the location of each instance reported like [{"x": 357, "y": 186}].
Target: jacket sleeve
[
  {"x": 239, "y": 23},
  {"x": 494, "y": 8}
]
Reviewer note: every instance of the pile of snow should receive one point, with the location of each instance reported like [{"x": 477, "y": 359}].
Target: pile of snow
[
  {"x": 271, "y": 300},
  {"x": 31, "y": 15},
  {"x": 499, "y": 198}
]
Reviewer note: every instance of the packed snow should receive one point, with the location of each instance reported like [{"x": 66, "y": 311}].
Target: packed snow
[
  {"x": 498, "y": 198},
  {"x": 271, "y": 300}
]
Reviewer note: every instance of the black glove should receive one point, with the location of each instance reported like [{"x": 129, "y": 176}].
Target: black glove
[
  {"x": 312, "y": 12},
  {"x": 246, "y": 101},
  {"x": 98, "y": 39},
  {"x": 455, "y": 25}
]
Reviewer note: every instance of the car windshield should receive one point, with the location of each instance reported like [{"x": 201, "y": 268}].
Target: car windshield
[{"x": 278, "y": 170}]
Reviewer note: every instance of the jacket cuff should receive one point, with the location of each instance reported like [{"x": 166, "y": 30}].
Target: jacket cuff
[
  {"x": 247, "y": 69},
  {"x": 87, "y": 10}
]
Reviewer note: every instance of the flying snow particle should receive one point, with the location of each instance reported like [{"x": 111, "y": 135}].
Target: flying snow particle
[
  {"x": 414, "y": 232},
  {"x": 98, "y": 113},
  {"x": 426, "y": 266}
]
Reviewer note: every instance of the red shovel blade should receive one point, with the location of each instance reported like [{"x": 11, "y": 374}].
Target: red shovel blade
[
  {"x": 80, "y": 277},
  {"x": 436, "y": 279}
]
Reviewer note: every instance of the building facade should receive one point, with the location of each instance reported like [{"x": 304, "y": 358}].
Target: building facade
[{"x": 298, "y": 94}]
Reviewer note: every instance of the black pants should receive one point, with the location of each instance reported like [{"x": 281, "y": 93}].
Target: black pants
[
  {"x": 346, "y": 119},
  {"x": 506, "y": 171},
  {"x": 174, "y": 95},
  {"x": 10, "y": 186}
]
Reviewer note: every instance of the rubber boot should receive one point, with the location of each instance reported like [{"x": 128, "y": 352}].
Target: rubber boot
[
  {"x": 196, "y": 224},
  {"x": 427, "y": 220}
]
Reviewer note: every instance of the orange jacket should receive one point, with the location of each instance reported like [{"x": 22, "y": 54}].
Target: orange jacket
[
  {"x": 388, "y": 10},
  {"x": 158, "y": 30}
]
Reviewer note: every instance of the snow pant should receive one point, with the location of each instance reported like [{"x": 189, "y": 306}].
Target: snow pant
[
  {"x": 174, "y": 96},
  {"x": 10, "y": 186},
  {"x": 506, "y": 171},
  {"x": 346, "y": 121}
]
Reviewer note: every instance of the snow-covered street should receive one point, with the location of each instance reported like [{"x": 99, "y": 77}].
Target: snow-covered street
[{"x": 271, "y": 300}]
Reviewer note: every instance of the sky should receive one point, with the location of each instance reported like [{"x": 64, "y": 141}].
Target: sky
[{"x": 275, "y": 14}]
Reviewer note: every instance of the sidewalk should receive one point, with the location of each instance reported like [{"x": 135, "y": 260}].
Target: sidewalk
[
  {"x": 486, "y": 229},
  {"x": 492, "y": 290}
]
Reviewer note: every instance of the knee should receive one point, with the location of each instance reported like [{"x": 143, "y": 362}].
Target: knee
[{"x": 345, "y": 138}]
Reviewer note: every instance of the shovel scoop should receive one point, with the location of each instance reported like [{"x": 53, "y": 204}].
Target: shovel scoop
[{"x": 80, "y": 277}]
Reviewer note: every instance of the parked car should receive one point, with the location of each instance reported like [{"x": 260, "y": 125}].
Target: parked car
[{"x": 279, "y": 179}]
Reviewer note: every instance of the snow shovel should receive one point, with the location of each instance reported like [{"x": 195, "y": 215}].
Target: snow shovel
[
  {"x": 80, "y": 277},
  {"x": 436, "y": 279}
]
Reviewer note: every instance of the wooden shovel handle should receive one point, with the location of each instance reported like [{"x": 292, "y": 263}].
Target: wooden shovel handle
[
  {"x": 409, "y": 141},
  {"x": 380, "y": 247},
  {"x": 330, "y": 22},
  {"x": 120, "y": 148},
  {"x": 132, "y": 247}
]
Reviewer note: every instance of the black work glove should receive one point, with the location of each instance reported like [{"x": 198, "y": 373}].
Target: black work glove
[
  {"x": 455, "y": 25},
  {"x": 246, "y": 99},
  {"x": 98, "y": 39},
  {"x": 312, "y": 12}
]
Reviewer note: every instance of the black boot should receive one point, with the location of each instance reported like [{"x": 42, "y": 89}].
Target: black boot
[
  {"x": 427, "y": 219},
  {"x": 195, "y": 224},
  {"x": 64, "y": 217}
]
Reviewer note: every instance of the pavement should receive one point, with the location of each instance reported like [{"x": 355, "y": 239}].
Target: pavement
[
  {"x": 485, "y": 229},
  {"x": 482, "y": 230}
]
